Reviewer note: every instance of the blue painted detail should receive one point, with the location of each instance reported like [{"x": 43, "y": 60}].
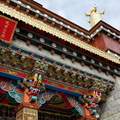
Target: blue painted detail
[
  {"x": 97, "y": 76},
  {"x": 26, "y": 51},
  {"x": 111, "y": 81},
  {"x": 31, "y": 88},
  {"x": 105, "y": 80},
  {"x": 3, "y": 43},
  {"x": 43, "y": 84},
  {"x": 10, "y": 76},
  {"x": 38, "y": 56},
  {"x": 75, "y": 69},
  {"x": 67, "y": 66},
  {"x": 47, "y": 86},
  {"x": 50, "y": 87},
  {"x": 102, "y": 101},
  {"x": 66, "y": 91},
  {"x": 20, "y": 86},
  {"x": 14, "y": 47},
  {"x": 6, "y": 44},
  {"x": 89, "y": 74},
  {"x": 49, "y": 60},
  {"x": 30, "y": 81},
  {"x": 38, "y": 91},
  {"x": 59, "y": 63},
  {"x": 62, "y": 90},
  {"x": 42, "y": 99},
  {"x": 82, "y": 71}
]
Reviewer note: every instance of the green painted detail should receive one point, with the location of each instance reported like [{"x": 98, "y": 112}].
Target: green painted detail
[
  {"x": 9, "y": 97},
  {"x": 78, "y": 111},
  {"x": 18, "y": 80},
  {"x": 94, "y": 112},
  {"x": 55, "y": 102},
  {"x": 21, "y": 60},
  {"x": 33, "y": 99},
  {"x": 39, "y": 79},
  {"x": 11, "y": 57},
  {"x": 41, "y": 101},
  {"x": 14, "y": 97},
  {"x": 85, "y": 100}
]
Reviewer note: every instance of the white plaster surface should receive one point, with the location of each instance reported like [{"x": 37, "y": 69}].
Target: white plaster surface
[{"x": 32, "y": 48}]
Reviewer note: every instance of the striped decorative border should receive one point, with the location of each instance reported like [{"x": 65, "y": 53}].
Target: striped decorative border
[{"x": 42, "y": 26}]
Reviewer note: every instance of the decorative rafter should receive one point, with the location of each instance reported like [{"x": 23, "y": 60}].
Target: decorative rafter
[{"x": 42, "y": 26}]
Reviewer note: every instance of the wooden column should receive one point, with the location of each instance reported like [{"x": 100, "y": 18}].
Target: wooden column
[{"x": 27, "y": 110}]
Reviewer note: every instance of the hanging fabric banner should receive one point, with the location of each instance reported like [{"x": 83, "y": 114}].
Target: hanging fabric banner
[{"x": 7, "y": 28}]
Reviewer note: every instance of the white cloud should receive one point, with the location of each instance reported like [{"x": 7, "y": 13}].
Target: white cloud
[{"x": 61, "y": 13}]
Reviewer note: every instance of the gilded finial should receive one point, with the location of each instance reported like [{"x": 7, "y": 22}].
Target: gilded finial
[{"x": 95, "y": 16}]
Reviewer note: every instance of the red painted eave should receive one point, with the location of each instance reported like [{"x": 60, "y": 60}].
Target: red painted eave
[{"x": 104, "y": 24}]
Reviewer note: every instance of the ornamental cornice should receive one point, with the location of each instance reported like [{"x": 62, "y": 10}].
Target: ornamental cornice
[{"x": 42, "y": 26}]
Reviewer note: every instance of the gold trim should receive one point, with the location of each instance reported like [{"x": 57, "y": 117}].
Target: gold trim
[
  {"x": 7, "y": 105},
  {"x": 42, "y": 26}
]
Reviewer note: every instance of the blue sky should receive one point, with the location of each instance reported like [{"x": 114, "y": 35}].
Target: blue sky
[{"x": 74, "y": 10}]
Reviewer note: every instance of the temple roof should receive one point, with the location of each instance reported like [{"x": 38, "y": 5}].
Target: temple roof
[{"x": 30, "y": 13}]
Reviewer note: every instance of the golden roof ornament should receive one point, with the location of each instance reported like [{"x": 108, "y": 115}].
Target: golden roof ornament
[{"x": 95, "y": 16}]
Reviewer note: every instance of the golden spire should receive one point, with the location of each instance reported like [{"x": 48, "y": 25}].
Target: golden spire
[{"x": 95, "y": 16}]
